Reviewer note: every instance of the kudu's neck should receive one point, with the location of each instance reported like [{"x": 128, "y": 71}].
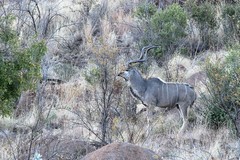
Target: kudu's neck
[{"x": 138, "y": 83}]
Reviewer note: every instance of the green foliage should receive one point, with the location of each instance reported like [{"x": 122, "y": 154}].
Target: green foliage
[
  {"x": 205, "y": 17},
  {"x": 93, "y": 76},
  {"x": 204, "y": 14},
  {"x": 19, "y": 67},
  {"x": 145, "y": 10},
  {"x": 231, "y": 22},
  {"x": 168, "y": 28},
  {"x": 216, "y": 117},
  {"x": 224, "y": 89},
  {"x": 6, "y": 33}
]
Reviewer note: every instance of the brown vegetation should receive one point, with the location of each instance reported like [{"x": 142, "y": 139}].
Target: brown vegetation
[{"x": 80, "y": 105}]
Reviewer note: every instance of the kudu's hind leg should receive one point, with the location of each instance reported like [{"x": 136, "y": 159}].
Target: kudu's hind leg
[{"x": 183, "y": 110}]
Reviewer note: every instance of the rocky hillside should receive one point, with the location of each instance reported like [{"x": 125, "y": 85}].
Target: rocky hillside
[{"x": 77, "y": 105}]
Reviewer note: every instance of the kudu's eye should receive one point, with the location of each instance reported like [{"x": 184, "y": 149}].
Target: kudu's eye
[{"x": 128, "y": 69}]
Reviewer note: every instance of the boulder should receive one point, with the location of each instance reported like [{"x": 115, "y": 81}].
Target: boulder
[{"x": 122, "y": 151}]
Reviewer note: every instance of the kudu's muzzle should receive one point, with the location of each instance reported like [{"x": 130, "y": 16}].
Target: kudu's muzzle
[{"x": 121, "y": 74}]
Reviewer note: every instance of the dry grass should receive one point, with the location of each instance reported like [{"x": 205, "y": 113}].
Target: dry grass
[
  {"x": 68, "y": 105},
  {"x": 197, "y": 143}
]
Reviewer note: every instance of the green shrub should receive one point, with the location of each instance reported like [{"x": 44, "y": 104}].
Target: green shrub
[
  {"x": 216, "y": 117},
  {"x": 231, "y": 22},
  {"x": 224, "y": 90},
  {"x": 145, "y": 10},
  {"x": 169, "y": 28},
  {"x": 165, "y": 28},
  {"x": 93, "y": 76},
  {"x": 19, "y": 67},
  {"x": 204, "y": 15}
]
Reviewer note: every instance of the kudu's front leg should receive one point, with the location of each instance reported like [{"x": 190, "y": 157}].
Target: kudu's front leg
[{"x": 150, "y": 117}]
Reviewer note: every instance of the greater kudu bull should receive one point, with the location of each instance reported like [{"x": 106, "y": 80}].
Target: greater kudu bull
[{"x": 155, "y": 92}]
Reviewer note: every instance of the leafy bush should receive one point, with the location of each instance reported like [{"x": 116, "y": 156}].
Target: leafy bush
[
  {"x": 231, "y": 22},
  {"x": 216, "y": 117},
  {"x": 169, "y": 28},
  {"x": 224, "y": 90},
  {"x": 205, "y": 17},
  {"x": 93, "y": 76},
  {"x": 19, "y": 67},
  {"x": 145, "y": 10},
  {"x": 204, "y": 14}
]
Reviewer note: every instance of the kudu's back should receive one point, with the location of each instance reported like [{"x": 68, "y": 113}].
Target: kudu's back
[{"x": 163, "y": 94}]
